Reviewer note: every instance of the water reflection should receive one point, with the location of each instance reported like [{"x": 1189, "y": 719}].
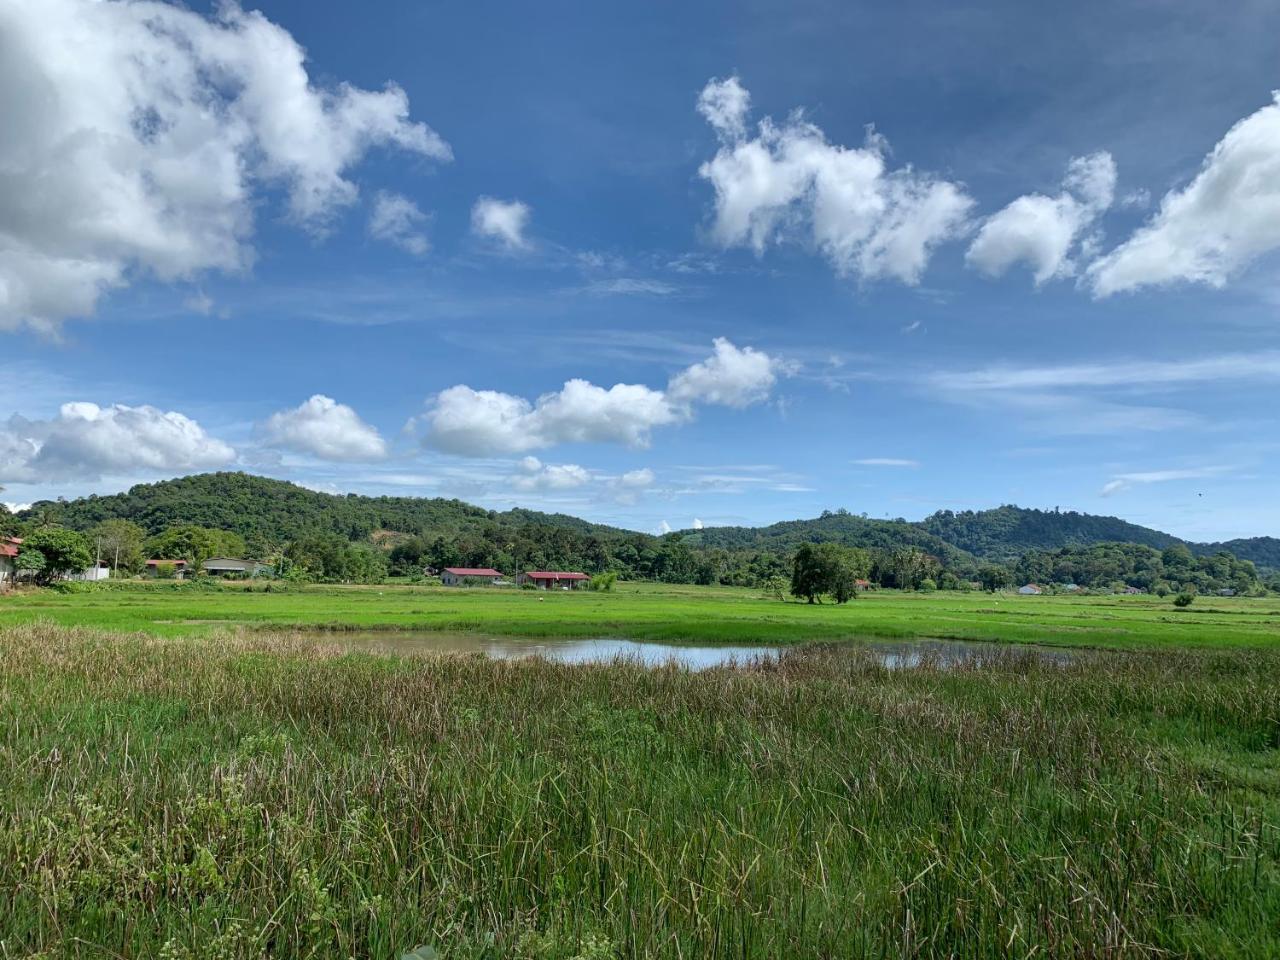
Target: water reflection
[{"x": 904, "y": 654}]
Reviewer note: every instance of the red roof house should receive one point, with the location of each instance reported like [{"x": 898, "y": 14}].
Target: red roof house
[
  {"x": 554, "y": 579},
  {"x": 457, "y": 576}
]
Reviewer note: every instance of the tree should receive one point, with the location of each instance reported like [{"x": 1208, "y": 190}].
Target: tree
[
  {"x": 194, "y": 544},
  {"x": 1184, "y": 599},
  {"x": 119, "y": 543},
  {"x": 828, "y": 568},
  {"x": 64, "y": 551},
  {"x": 994, "y": 576}
]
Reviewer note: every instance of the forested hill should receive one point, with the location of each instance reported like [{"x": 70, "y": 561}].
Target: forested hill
[
  {"x": 1008, "y": 532},
  {"x": 261, "y": 509},
  {"x": 832, "y": 527},
  {"x": 271, "y": 512}
]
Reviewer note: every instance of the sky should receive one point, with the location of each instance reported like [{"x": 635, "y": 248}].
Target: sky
[{"x": 657, "y": 265}]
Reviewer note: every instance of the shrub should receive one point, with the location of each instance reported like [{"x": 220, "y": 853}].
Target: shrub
[
  {"x": 1183, "y": 599},
  {"x": 604, "y": 582}
]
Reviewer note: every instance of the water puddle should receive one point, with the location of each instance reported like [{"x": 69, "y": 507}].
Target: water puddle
[{"x": 902, "y": 654}]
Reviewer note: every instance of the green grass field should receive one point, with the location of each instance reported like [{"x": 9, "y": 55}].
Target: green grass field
[
  {"x": 673, "y": 613},
  {"x": 216, "y": 785},
  {"x": 260, "y": 796}
]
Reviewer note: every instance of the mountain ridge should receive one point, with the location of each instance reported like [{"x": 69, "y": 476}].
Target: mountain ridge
[{"x": 271, "y": 509}]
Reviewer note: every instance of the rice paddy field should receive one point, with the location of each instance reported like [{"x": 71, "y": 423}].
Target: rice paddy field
[
  {"x": 663, "y": 612},
  {"x": 185, "y": 774}
]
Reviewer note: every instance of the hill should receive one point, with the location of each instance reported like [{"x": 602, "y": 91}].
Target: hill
[
  {"x": 262, "y": 509},
  {"x": 1007, "y": 532},
  {"x": 832, "y": 527}
]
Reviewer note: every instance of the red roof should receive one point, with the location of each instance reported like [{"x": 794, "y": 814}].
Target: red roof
[
  {"x": 176, "y": 563},
  {"x": 8, "y": 550},
  {"x": 472, "y": 571},
  {"x": 555, "y": 575}
]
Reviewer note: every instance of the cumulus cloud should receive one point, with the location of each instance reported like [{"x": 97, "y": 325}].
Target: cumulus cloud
[
  {"x": 536, "y": 475},
  {"x": 324, "y": 428},
  {"x": 485, "y": 422},
  {"x": 86, "y": 441},
  {"x": 502, "y": 220},
  {"x": 477, "y": 423},
  {"x": 788, "y": 183},
  {"x": 730, "y": 377},
  {"x": 886, "y": 462},
  {"x": 1042, "y": 231},
  {"x": 396, "y": 219},
  {"x": 140, "y": 136},
  {"x": 697, "y": 524},
  {"x": 1222, "y": 221}
]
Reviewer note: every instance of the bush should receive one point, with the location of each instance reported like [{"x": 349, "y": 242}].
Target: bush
[
  {"x": 604, "y": 582},
  {"x": 1183, "y": 599},
  {"x": 927, "y": 585}
]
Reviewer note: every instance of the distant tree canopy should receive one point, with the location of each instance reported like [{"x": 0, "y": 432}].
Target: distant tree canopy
[
  {"x": 315, "y": 535},
  {"x": 1170, "y": 570}
]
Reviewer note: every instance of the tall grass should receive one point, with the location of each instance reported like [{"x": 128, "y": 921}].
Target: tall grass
[{"x": 259, "y": 795}]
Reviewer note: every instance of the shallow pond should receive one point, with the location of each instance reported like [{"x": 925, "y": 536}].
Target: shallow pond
[{"x": 894, "y": 654}]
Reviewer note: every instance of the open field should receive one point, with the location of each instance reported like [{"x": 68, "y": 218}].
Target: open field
[
  {"x": 673, "y": 613},
  {"x": 256, "y": 795}
]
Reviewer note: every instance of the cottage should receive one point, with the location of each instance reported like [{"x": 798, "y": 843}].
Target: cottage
[
  {"x": 9, "y": 559},
  {"x": 1030, "y": 590},
  {"x": 469, "y": 576},
  {"x": 155, "y": 566},
  {"x": 231, "y": 567},
  {"x": 553, "y": 579}
]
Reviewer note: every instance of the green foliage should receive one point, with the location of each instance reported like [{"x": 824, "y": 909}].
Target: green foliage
[
  {"x": 1113, "y": 566},
  {"x": 1007, "y": 532},
  {"x": 828, "y": 569},
  {"x": 1184, "y": 599},
  {"x": 194, "y": 544},
  {"x": 603, "y": 582},
  {"x": 120, "y": 544},
  {"x": 64, "y": 551},
  {"x": 995, "y": 576}
]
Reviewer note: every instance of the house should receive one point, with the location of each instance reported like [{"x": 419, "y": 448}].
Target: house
[
  {"x": 469, "y": 576},
  {"x": 1070, "y": 587},
  {"x": 1030, "y": 590},
  {"x": 9, "y": 559},
  {"x": 553, "y": 579},
  {"x": 861, "y": 584},
  {"x": 154, "y": 566},
  {"x": 1226, "y": 592},
  {"x": 1132, "y": 591},
  {"x": 231, "y": 567}
]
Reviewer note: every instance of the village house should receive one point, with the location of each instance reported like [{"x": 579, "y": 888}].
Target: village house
[
  {"x": 1030, "y": 590},
  {"x": 231, "y": 567},
  {"x": 553, "y": 579},
  {"x": 154, "y": 566},
  {"x": 9, "y": 559},
  {"x": 469, "y": 576}
]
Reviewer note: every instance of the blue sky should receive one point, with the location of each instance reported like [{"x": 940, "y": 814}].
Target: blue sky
[{"x": 892, "y": 258}]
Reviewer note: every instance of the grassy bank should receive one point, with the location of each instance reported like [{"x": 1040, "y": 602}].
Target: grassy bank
[
  {"x": 249, "y": 796},
  {"x": 662, "y": 612}
]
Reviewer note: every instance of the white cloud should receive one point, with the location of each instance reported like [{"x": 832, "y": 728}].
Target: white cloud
[
  {"x": 140, "y": 137},
  {"x": 730, "y": 377},
  {"x": 1262, "y": 365},
  {"x": 1124, "y": 481},
  {"x": 636, "y": 479},
  {"x": 1226, "y": 218},
  {"x": 324, "y": 428},
  {"x": 535, "y": 475},
  {"x": 16, "y": 507},
  {"x": 630, "y": 286},
  {"x": 478, "y": 423},
  {"x": 502, "y": 220},
  {"x": 486, "y": 422},
  {"x": 725, "y": 105},
  {"x": 886, "y": 462},
  {"x": 1041, "y": 231},
  {"x": 663, "y": 528},
  {"x": 697, "y": 524},
  {"x": 788, "y": 182},
  {"x": 397, "y": 220},
  {"x": 86, "y": 441}
]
